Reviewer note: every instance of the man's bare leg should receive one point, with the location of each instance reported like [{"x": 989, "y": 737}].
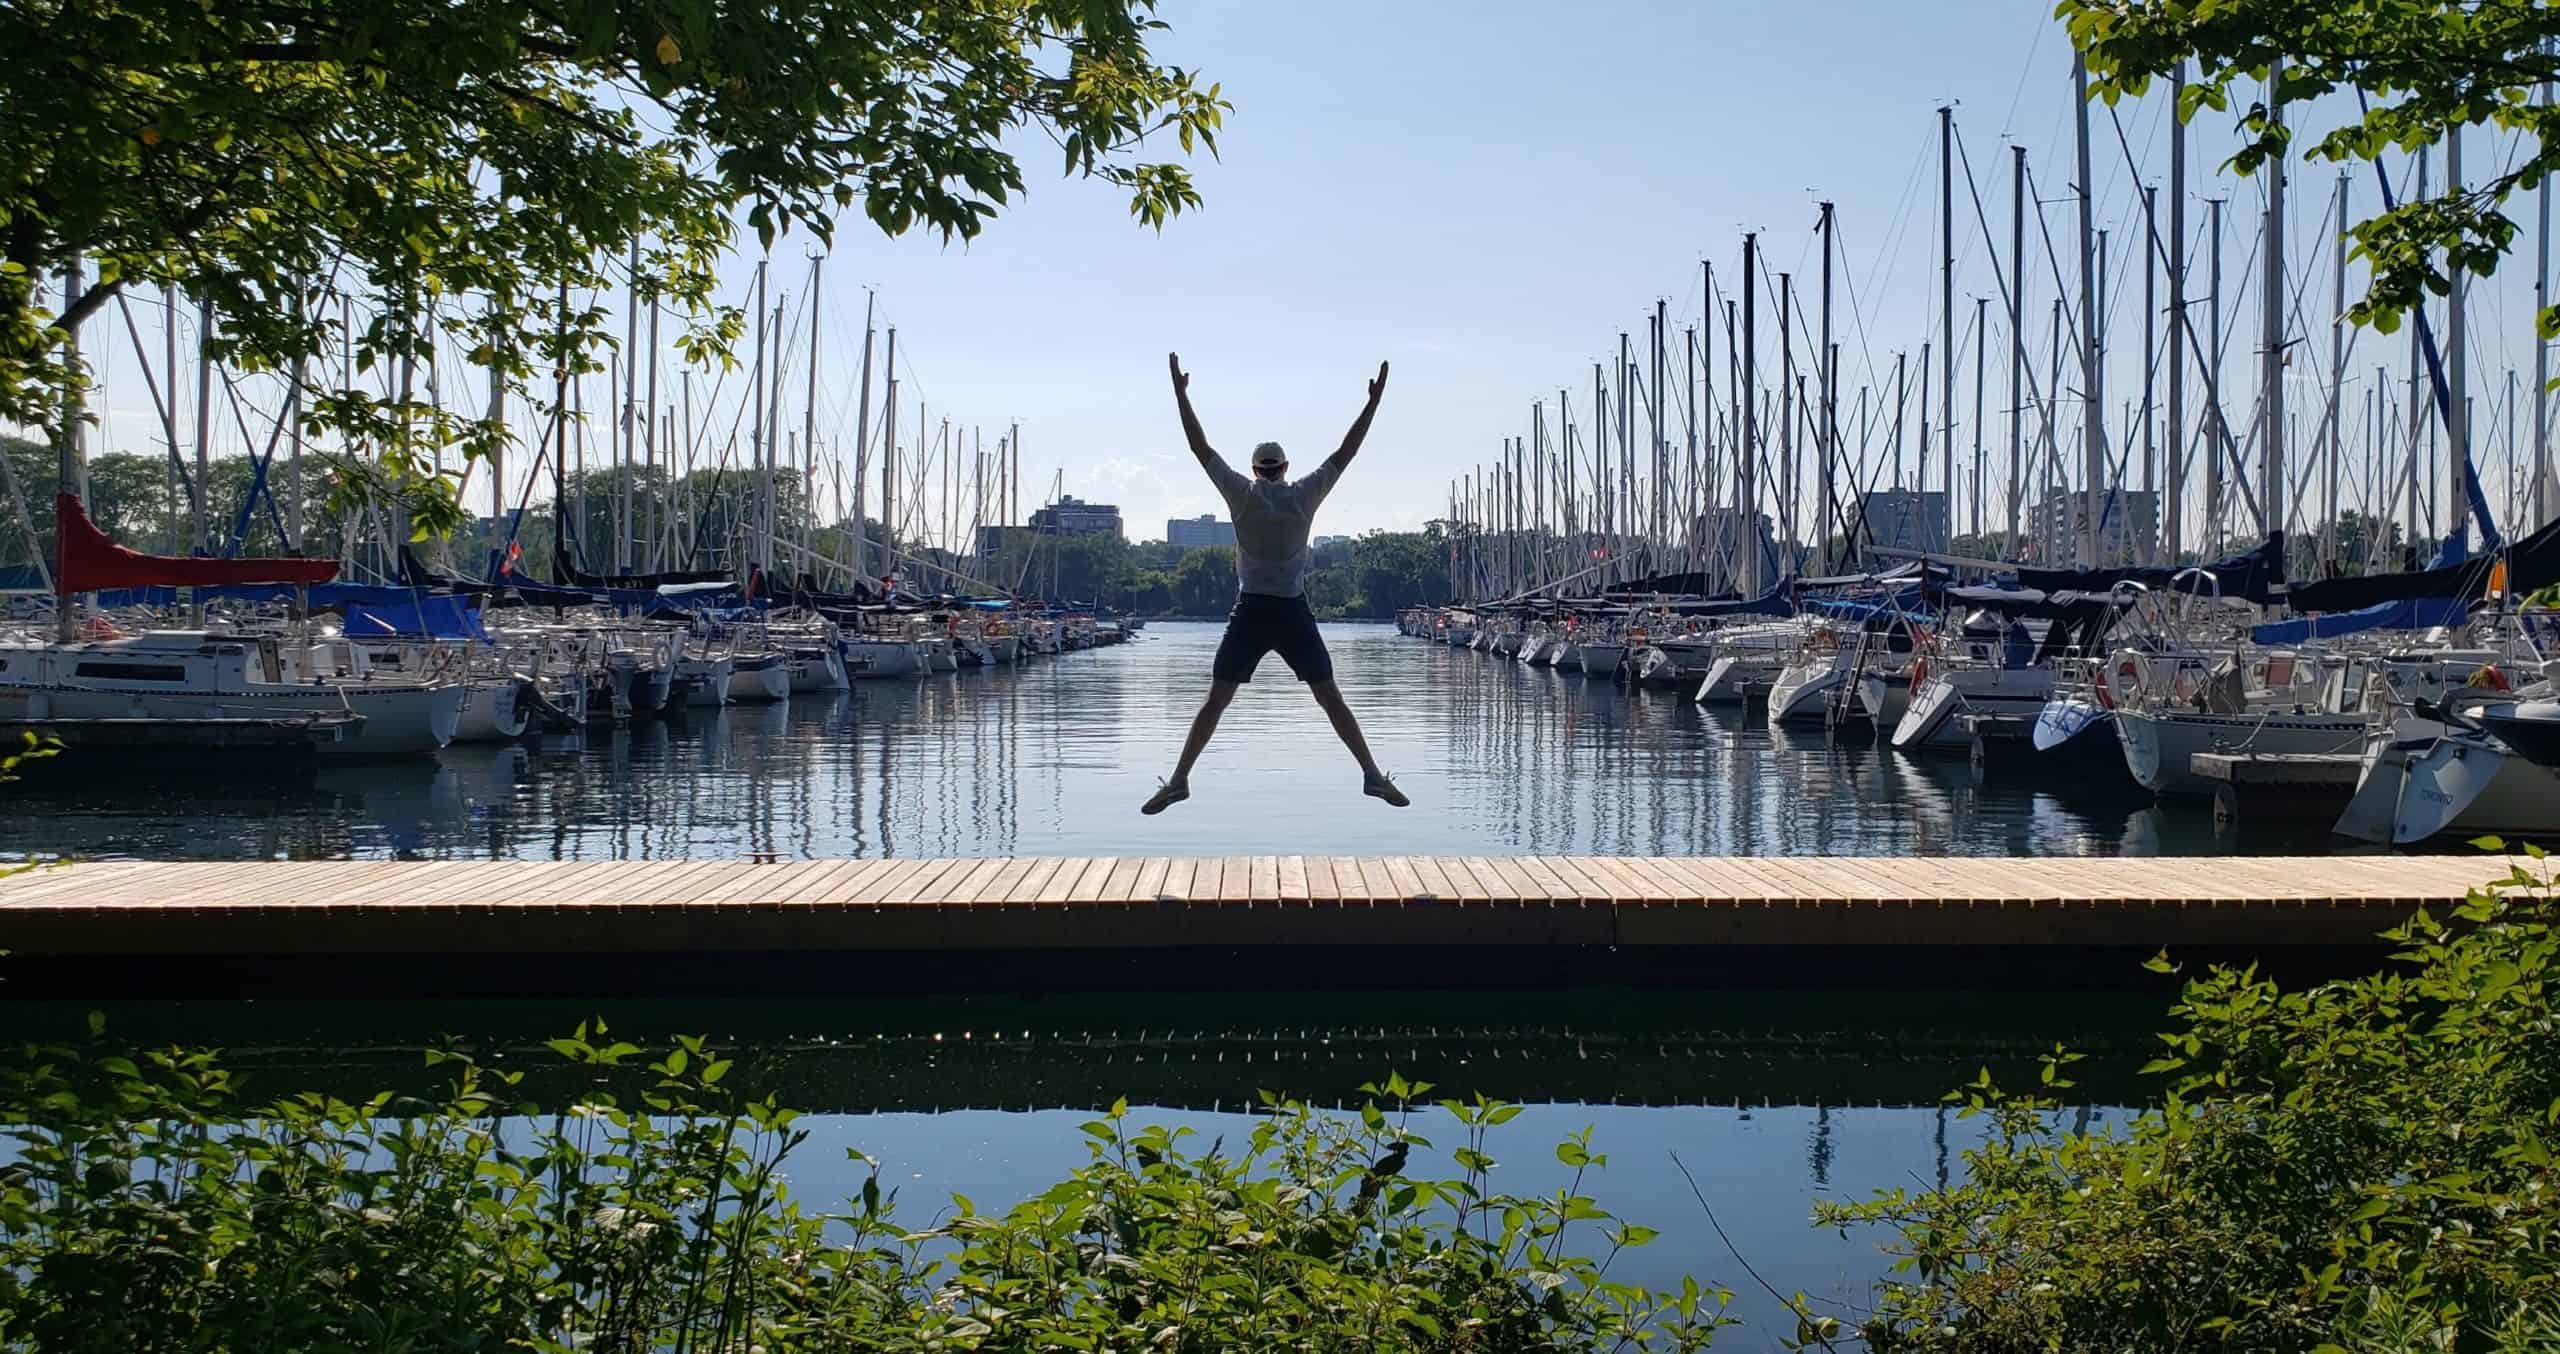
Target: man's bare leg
[
  {"x": 1203, "y": 725},
  {"x": 1347, "y": 728}
]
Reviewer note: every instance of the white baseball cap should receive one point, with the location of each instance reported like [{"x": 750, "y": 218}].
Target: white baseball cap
[{"x": 1269, "y": 456}]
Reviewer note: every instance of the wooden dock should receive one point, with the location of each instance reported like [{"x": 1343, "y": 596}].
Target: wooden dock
[
  {"x": 2280, "y": 787},
  {"x": 112, "y": 917}
]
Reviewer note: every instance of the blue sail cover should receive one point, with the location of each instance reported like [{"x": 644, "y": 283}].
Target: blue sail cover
[
  {"x": 2256, "y": 574},
  {"x": 423, "y": 617},
  {"x": 2413, "y": 613}
]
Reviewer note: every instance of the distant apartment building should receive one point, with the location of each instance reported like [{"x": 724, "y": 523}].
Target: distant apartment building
[
  {"x": 1907, "y": 519},
  {"x": 1195, "y": 533},
  {"x": 1723, "y": 535},
  {"x": 1072, "y": 516},
  {"x": 2128, "y": 526},
  {"x": 1321, "y": 542}
]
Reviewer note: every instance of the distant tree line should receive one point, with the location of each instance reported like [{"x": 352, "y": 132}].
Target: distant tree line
[{"x": 1371, "y": 576}]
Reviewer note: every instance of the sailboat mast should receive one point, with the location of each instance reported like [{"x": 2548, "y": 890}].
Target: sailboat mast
[
  {"x": 1690, "y": 503},
  {"x": 2543, "y": 507},
  {"x": 630, "y": 413},
  {"x": 1786, "y": 416},
  {"x": 1660, "y": 397},
  {"x": 1981, "y": 348},
  {"x": 70, "y": 465},
  {"x": 2457, "y": 362},
  {"x": 2093, "y": 404},
  {"x": 755, "y": 431},
  {"x": 1747, "y": 476},
  {"x": 889, "y": 460},
  {"x": 809, "y": 419},
  {"x": 862, "y": 445},
  {"x": 1947, "y": 306},
  {"x": 1826, "y": 495},
  {"x": 2173, "y": 521},
  {"x": 2337, "y": 376},
  {"x": 652, "y": 518},
  {"x": 2017, "y": 338},
  {"x": 2271, "y": 504},
  {"x": 2150, "y": 551},
  {"x": 2215, "y": 433},
  {"x": 204, "y": 422}
]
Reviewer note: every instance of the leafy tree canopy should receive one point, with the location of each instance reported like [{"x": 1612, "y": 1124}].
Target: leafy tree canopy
[
  {"x": 2424, "y": 67},
  {"x": 487, "y": 166}
]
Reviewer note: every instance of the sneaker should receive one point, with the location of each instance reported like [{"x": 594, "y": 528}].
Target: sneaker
[
  {"x": 1168, "y": 793},
  {"x": 1382, "y": 786}
]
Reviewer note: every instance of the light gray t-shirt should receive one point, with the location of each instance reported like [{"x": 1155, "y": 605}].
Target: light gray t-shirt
[{"x": 1272, "y": 525}]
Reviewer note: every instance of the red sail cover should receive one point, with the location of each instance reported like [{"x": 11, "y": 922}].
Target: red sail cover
[{"x": 91, "y": 562}]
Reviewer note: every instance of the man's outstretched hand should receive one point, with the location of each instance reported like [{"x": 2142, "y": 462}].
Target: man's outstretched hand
[
  {"x": 1181, "y": 382},
  {"x": 1376, "y": 388}
]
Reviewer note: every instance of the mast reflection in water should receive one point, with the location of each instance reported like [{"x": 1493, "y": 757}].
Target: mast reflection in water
[{"x": 1053, "y": 758}]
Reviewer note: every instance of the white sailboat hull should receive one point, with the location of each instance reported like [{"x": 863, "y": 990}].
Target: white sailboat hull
[
  {"x": 491, "y": 713},
  {"x": 2160, "y": 749},
  {"x": 762, "y": 684},
  {"x": 709, "y": 681},
  {"x": 2470, "y": 784},
  {"x": 1930, "y": 718}
]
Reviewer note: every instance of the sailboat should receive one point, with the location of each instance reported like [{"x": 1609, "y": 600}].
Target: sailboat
[{"x": 168, "y": 683}]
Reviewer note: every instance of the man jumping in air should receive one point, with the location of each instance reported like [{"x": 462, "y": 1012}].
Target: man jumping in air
[{"x": 1272, "y": 518}]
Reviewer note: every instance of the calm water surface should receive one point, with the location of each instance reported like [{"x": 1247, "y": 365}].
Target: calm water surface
[
  {"x": 1773, "y": 1100},
  {"x": 1053, "y": 759}
]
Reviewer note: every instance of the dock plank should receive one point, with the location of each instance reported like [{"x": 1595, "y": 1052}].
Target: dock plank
[
  {"x": 1062, "y": 885},
  {"x": 1489, "y": 882},
  {"x": 1091, "y": 884},
  {"x": 874, "y": 889},
  {"x": 1121, "y": 885},
  {"x": 684, "y": 907},
  {"x": 1403, "y": 878}
]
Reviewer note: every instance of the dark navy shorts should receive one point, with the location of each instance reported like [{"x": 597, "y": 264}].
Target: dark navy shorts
[{"x": 1263, "y": 624}]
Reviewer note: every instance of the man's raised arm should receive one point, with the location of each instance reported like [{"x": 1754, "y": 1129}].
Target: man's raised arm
[
  {"x": 1333, "y": 465},
  {"x": 1209, "y": 458}
]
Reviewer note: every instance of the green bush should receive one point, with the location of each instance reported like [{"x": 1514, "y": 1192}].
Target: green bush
[
  {"x": 150, "y": 1206},
  {"x": 2365, "y": 1165}
]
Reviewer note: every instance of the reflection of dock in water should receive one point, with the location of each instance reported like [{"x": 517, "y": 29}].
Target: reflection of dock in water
[{"x": 1746, "y": 1049}]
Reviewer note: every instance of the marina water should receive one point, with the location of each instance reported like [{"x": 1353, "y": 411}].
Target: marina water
[
  {"x": 1772, "y": 1100},
  {"x": 1054, "y": 758}
]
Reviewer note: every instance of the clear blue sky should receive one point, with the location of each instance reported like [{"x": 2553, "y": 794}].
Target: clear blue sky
[
  {"x": 1485, "y": 195},
  {"x": 1482, "y": 195}
]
